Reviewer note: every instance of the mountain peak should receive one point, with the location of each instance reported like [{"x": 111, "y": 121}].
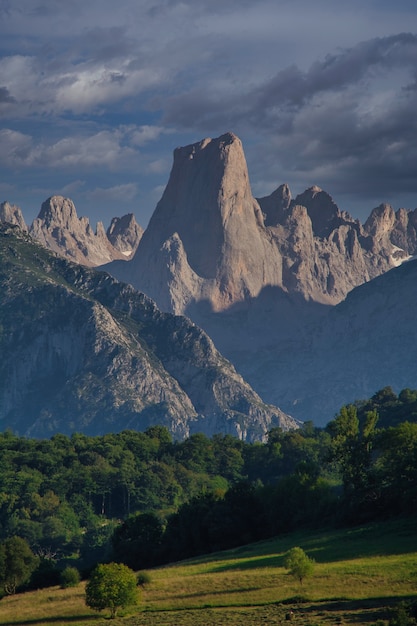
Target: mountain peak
[
  {"x": 208, "y": 204},
  {"x": 59, "y": 228},
  {"x": 324, "y": 213}
]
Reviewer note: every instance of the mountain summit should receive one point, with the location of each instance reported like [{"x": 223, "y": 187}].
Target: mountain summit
[
  {"x": 211, "y": 245},
  {"x": 206, "y": 240},
  {"x": 59, "y": 228}
]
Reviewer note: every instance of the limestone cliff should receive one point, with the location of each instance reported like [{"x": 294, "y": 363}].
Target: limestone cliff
[
  {"x": 210, "y": 245},
  {"x": 206, "y": 240}
]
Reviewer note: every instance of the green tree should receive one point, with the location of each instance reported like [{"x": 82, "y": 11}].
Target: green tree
[
  {"x": 17, "y": 562},
  {"x": 138, "y": 540},
  {"x": 300, "y": 565},
  {"x": 70, "y": 577},
  {"x": 351, "y": 449},
  {"x": 111, "y": 586}
]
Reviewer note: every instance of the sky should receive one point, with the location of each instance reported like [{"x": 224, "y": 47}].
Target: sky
[{"x": 95, "y": 96}]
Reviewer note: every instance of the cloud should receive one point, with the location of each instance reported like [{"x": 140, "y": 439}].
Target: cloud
[
  {"x": 5, "y": 96},
  {"x": 107, "y": 149},
  {"x": 119, "y": 193}
]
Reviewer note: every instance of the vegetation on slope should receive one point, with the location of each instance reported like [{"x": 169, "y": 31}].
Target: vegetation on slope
[
  {"x": 360, "y": 576},
  {"x": 143, "y": 499}
]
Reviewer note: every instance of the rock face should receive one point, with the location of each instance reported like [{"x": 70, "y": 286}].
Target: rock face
[
  {"x": 206, "y": 241},
  {"x": 82, "y": 352},
  {"x": 124, "y": 233},
  {"x": 210, "y": 244},
  {"x": 59, "y": 228},
  {"x": 11, "y": 214}
]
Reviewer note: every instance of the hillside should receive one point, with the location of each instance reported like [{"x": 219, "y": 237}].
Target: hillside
[
  {"x": 360, "y": 576},
  {"x": 84, "y": 353}
]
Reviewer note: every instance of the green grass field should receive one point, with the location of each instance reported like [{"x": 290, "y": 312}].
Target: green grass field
[{"x": 359, "y": 574}]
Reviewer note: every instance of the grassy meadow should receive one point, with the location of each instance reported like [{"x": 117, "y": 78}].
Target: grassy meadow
[{"x": 359, "y": 574}]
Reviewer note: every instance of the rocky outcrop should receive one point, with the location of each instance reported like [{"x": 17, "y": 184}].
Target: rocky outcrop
[
  {"x": 84, "y": 353},
  {"x": 124, "y": 233},
  {"x": 260, "y": 275},
  {"x": 59, "y": 228},
  {"x": 12, "y": 214}
]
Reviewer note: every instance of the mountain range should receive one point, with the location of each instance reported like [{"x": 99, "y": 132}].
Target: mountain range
[
  {"x": 82, "y": 352},
  {"x": 312, "y": 307}
]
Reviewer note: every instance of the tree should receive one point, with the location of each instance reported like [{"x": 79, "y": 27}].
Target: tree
[
  {"x": 70, "y": 577},
  {"x": 137, "y": 542},
  {"x": 17, "y": 562},
  {"x": 111, "y": 586},
  {"x": 300, "y": 565}
]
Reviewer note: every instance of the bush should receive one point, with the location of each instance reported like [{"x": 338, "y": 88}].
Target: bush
[
  {"x": 143, "y": 578},
  {"x": 70, "y": 577}
]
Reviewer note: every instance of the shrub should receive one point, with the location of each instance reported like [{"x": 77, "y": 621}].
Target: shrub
[
  {"x": 143, "y": 578},
  {"x": 70, "y": 577}
]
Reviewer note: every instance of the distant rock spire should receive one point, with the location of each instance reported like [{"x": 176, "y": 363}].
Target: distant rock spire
[{"x": 12, "y": 214}]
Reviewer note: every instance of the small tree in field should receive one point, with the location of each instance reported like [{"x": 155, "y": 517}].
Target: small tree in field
[
  {"x": 111, "y": 586},
  {"x": 300, "y": 566}
]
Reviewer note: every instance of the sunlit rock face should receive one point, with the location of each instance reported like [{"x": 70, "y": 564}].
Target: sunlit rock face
[
  {"x": 206, "y": 240},
  {"x": 210, "y": 242},
  {"x": 12, "y": 214},
  {"x": 59, "y": 228}
]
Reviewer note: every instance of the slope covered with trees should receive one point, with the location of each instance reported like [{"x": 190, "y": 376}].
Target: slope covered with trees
[{"x": 144, "y": 499}]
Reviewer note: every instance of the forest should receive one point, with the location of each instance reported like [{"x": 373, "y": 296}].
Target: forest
[{"x": 142, "y": 499}]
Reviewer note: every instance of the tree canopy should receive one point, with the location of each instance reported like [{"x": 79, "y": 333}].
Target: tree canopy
[{"x": 111, "y": 586}]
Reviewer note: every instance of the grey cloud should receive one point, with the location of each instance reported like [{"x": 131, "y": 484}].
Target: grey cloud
[
  {"x": 291, "y": 89},
  {"x": 5, "y": 96},
  {"x": 339, "y": 71}
]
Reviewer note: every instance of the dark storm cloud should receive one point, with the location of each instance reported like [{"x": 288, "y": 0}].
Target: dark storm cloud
[
  {"x": 292, "y": 89},
  {"x": 347, "y": 121}
]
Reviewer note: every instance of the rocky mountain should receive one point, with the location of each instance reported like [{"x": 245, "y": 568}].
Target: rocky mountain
[
  {"x": 59, "y": 228},
  {"x": 263, "y": 276},
  {"x": 124, "y": 233},
  {"x": 259, "y": 275},
  {"x": 363, "y": 344},
  {"x": 82, "y": 352},
  {"x": 210, "y": 243}
]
